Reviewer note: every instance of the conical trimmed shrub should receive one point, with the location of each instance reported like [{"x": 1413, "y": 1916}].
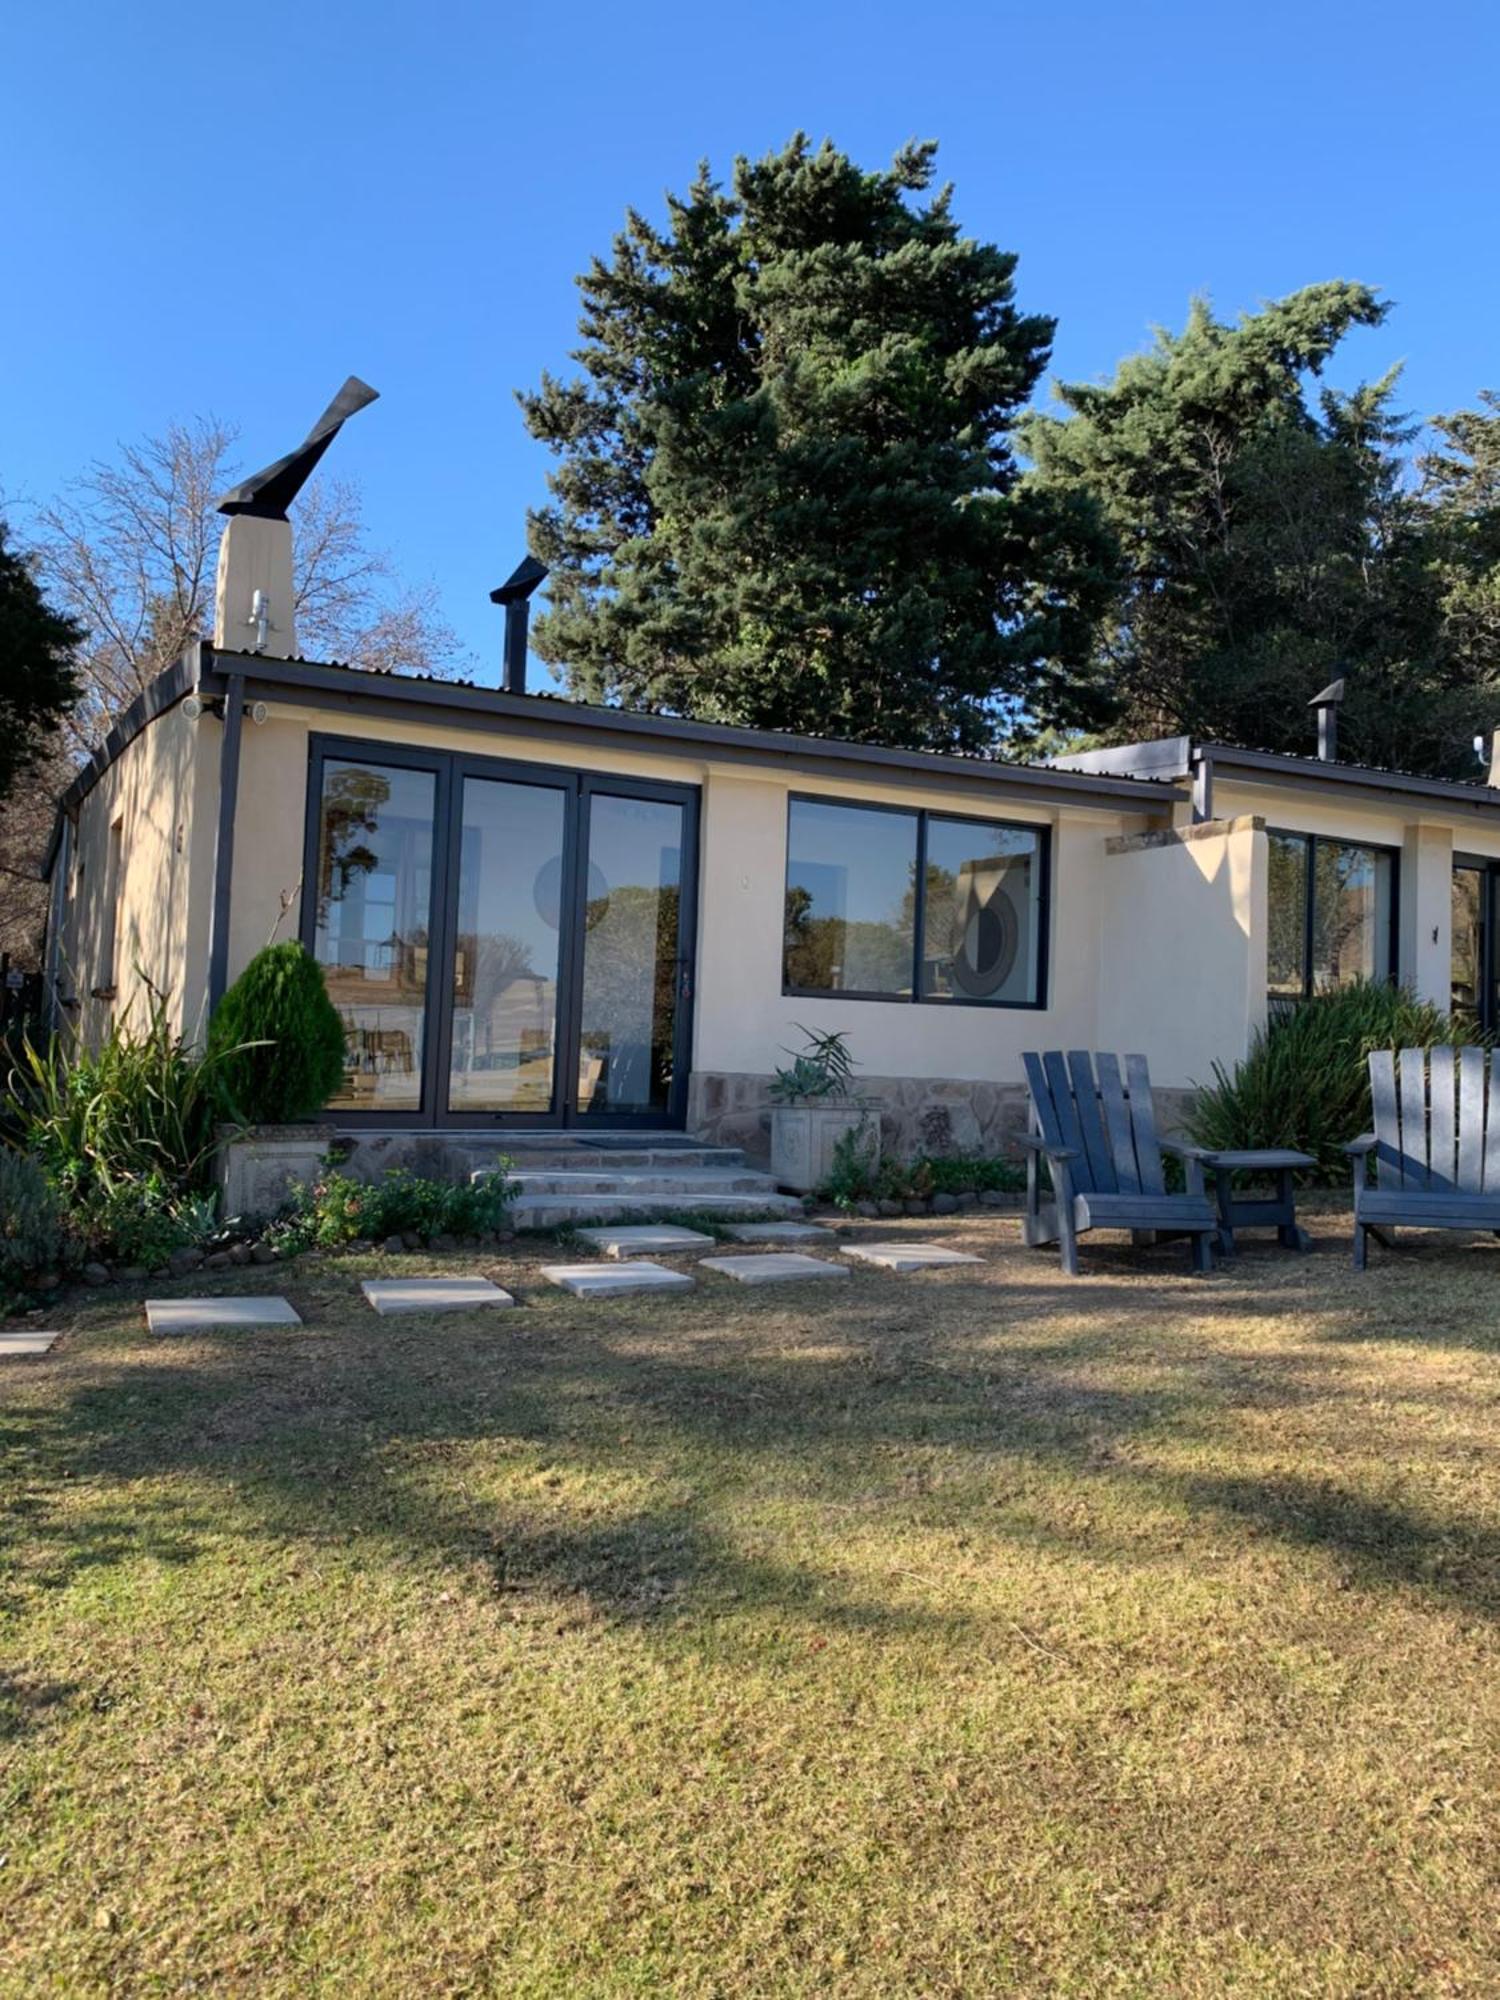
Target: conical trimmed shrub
[{"x": 277, "y": 1039}]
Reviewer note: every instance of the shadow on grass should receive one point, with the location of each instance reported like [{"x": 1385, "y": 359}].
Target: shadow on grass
[{"x": 366, "y": 1436}]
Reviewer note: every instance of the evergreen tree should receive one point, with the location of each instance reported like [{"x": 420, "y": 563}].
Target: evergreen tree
[
  {"x": 787, "y": 494},
  {"x": 1460, "y": 490},
  {"x": 38, "y": 683},
  {"x": 1270, "y": 543}
]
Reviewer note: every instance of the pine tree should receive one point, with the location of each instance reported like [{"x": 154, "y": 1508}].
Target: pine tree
[
  {"x": 38, "y": 682},
  {"x": 787, "y": 495},
  {"x": 1269, "y": 543}
]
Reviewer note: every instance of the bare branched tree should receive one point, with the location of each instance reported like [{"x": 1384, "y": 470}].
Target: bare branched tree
[{"x": 130, "y": 551}]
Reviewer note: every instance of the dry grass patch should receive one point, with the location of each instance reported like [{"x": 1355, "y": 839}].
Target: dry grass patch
[{"x": 966, "y": 1632}]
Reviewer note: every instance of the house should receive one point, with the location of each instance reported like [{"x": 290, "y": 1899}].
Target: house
[{"x": 534, "y": 913}]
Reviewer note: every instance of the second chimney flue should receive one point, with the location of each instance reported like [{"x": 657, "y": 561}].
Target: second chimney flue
[
  {"x": 515, "y": 595},
  {"x": 1327, "y": 705}
]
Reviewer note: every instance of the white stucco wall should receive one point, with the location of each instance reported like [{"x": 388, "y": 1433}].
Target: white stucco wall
[
  {"x": 154, "y": 793},
  {"x": 1181, "y": 963}
]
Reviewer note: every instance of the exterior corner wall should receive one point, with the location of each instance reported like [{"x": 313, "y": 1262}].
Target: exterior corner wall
[
  {"x": 151, "y": 791},
  {"x": 1181, "y": 963},
  {"x": 1425, "y": 912}
]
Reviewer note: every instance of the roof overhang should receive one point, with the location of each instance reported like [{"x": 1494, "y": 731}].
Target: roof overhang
[
  {"x": 1314, "y": 774},
  {"x": 550, "y": 718}
]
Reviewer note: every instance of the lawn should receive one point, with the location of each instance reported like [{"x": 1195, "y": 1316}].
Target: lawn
[{"x": 974, "y": 1632}]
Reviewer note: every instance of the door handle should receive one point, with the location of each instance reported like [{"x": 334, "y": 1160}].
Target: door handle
[{"x": 684, "y": 979}]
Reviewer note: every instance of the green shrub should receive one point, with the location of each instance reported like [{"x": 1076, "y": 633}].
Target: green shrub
[
  {"x": 33, "y": 1229},
  {"x": 143, "y": 1221},
  {"x": 277, "y": 1039},
  {"x": 1305, "y": 1082},
  {"x": 141, "y": 1104},
  {"x": 336, "y": 1209}
]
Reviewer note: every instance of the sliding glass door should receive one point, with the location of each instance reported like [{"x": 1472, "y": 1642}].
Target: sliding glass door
[
  {"x": 506, "y": 944},
  {"x": 372, "y": 924},
  {"x": 507, "y": 949},
  {"x": 633, "y": 983}
]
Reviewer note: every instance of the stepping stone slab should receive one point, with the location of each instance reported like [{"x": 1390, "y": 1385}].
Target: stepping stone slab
[
  {"x": 26, "y": 1342},
  {"x": 598, "y": 1281},
  {"x": 217, "y": 1315},
  {"x": 644, "y": 1239},
  {"x": 776, "y": 1268},
  {"x": 432, "y": 1295},
  {"x": 908, "y": 1256},
  {"x": 780, "y": 1232}
]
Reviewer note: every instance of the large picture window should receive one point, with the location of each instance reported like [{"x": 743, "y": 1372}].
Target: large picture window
[
  {"x": 1332, "y": 915},
  {"x": 889, "y": 904}
]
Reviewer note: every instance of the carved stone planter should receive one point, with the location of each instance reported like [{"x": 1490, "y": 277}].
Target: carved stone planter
[
  {"x": 255, "y": 1167},
  {"x": 803, "y": 1138}
]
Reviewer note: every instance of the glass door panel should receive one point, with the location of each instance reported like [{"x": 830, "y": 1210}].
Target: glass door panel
[
  {"x": 629, "y": 990},
  {"x": 507, "y": 947},
  {"x": 374, "y": 901}
]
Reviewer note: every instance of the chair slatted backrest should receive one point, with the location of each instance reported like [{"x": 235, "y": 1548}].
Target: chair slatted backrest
[
  {"x": 1107, "y": 1119},
  {"x": 1437, "y": 1120}
]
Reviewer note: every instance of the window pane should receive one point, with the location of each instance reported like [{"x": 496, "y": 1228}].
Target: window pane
[
  {"x": 850, "y": 891},
  {"x": 1468, "y": 940},
  {"x": 374, "y": 895},
  {"x": 506, "y": 952},
  {"x": 1286, "y": 947},
  {"x": 981, "y": 929},
  {"x": 1351, "y": 914},
  {"x": 628, "y": 1012}
]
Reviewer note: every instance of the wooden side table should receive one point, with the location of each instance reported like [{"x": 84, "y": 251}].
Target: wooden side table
[{"x": 1276, "y": 1212}]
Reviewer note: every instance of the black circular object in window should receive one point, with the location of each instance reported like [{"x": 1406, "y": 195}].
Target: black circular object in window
[{"x": 988, "y": 945}]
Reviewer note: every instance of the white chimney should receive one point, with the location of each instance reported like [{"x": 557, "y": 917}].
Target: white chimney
[
  {"x": 253, "y": 603},
  {"x": 253, "y": 606}
]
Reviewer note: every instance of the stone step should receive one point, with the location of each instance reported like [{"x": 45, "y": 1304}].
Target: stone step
[
  {"x": 603, "y": 1160},
  {"x": 707, "y": 1180},
  {"x": 555, "y": 1211}
]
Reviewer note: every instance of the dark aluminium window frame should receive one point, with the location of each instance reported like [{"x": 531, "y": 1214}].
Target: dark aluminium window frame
[
  {"x": 1487, "y": 868},
  {"x": 1309, "y": 912},
  {"x": 921, "y": 814},
  {"x": 579, "y": 787}
]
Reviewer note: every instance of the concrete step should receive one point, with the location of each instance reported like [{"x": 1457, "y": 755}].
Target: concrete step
[
  {"x": 532, "y": 1158},
  {"x": 704, "y": 1180},
  {"x": 554, "y": 1211}
]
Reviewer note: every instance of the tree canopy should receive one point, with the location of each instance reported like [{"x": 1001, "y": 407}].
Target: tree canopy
[
  {"x": 787, "y": 494},
  {"x": 1271, "y": 541},
  {"x": 38, "y": 684}
]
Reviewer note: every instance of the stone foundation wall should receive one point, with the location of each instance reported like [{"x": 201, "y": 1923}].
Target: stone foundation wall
[{"x": 917, "y": 1114}]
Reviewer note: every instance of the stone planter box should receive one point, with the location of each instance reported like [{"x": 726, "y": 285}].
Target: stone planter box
[
  {"x": 803, "y": 1138},
  {"x": 255, "y": 1167}
]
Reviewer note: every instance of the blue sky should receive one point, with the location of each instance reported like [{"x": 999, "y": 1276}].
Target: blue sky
[{"x": 228, "y": 209}]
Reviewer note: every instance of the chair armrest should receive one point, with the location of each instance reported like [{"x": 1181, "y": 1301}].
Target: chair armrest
[
  {"x": 1035, "y": 1143},
  {"x": 1186, "y": 1152},
  {"x": 1357, "y": 1148}
]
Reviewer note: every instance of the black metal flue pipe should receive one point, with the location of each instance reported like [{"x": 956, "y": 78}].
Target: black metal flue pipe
[{"x": 515, "y": 595}]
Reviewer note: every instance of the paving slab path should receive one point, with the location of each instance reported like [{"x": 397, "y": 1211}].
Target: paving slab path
[
  {"x": 645, "y": 1239},
  {"x": 214, "y": 1315},
  {"x": 602, "y": 1281},
  {"x": 909, "y": 1256},
  {"x": 776, "y": 1268},
  {"x": 28, "y": 1341},
  {"x": 430, "y": 1295}
]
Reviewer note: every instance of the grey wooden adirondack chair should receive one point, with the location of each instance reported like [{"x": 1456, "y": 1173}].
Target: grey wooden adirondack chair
[
  {"x": 1098, "y": 1136},
  {"x": 1436, "y": 1144}
]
